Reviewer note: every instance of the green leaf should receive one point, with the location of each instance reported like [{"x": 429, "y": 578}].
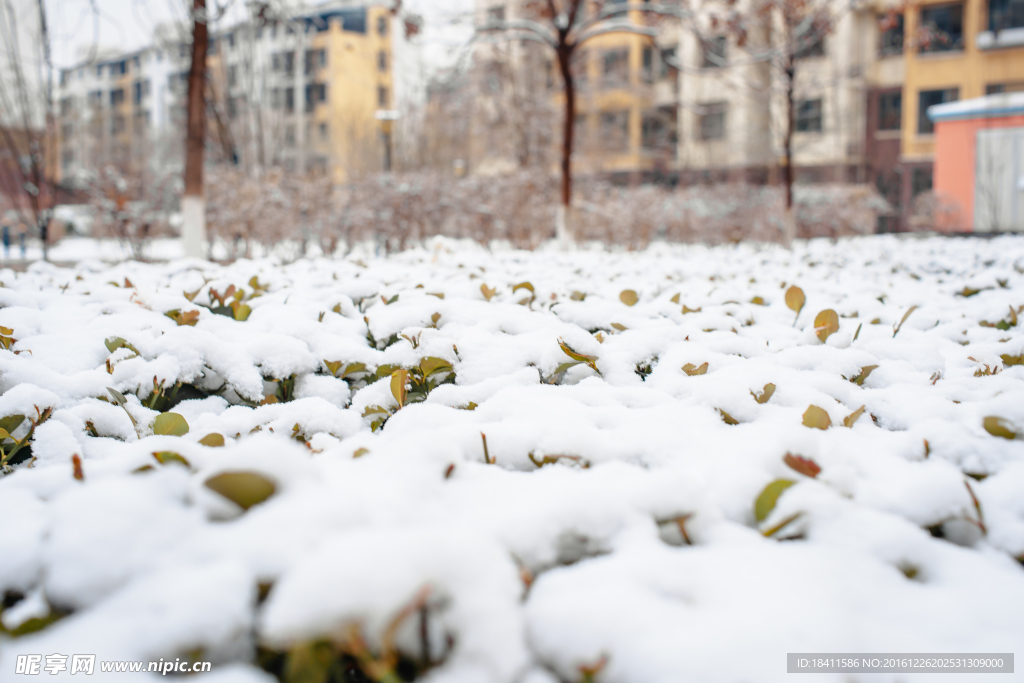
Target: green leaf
[
  {"x": 628, "y": 297},
  {"x": 758, "y": 300},
  {"x": 997, "y": 426},
  {"x": 816, "y": 418},
  {"x": 769, "y": 497},
  {"x": 118, "y": 397},
  {"x": 333, "y": 366},
  {"x": 115, "y": 343},
  {"x": 170, "y": 424},
  {"x": 375, "y": 410},
  {"x": 865, "y": 372},
  {"x": 431, "y": 365},
  {"x": 826, "y": 323},
  {"x": 576, "y": 356},
  {"x": 167, "y": 457},
  {"x": 852, "y": 418},
  {"x": 4, "y": 434},
  {"x": 11, "y": 422},
  {"x": 1009, "y": 360},
  {"x": 244, "y": 489},
  {"x": 762, "y": 398},
  {"x": 214, "y": 440},
  {"x": 241, "y": 311}
]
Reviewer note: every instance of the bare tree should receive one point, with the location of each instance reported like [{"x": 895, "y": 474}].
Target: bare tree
[
  {"x": 564, "y": 26},
  {"x": 193, "y": 204}
]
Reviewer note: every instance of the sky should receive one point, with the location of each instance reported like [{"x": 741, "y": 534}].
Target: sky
[{"x": 125, "y": 25}]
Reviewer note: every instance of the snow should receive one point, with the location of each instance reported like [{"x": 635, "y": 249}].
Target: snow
[{"x": 525, "y": 573}]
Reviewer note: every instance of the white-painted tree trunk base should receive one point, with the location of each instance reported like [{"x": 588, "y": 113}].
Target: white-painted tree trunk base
[
  {"x": 193, "y": 229},
  {"x": 789, "y": 228},
  {"x": 562, "y": 235}
]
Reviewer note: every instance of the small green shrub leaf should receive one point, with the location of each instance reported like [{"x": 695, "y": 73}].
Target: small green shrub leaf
[
  {"x": 769, "y": 497},
  {"x": 997, "y": 426},
  {"x": 244, "y": 489},
  {"x": 170, "y": 424}
]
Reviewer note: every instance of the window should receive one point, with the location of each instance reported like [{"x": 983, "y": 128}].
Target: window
[
  {"x": 920, "y": 180},
  {"x": 998, "y": 88},
  {"x": 1003, "y": 14},
  {"x": 382, "y": 26},
  {"x": 315, "y": 60},
  {"x": 811, "y": 45},
  {"x": 615, "y": 130},
  {"x": 942, "y": 28},
  {"x": 615, "y": 70},
  {"x": 711, "y": 122},
  {"x": 496, "y": 15},
  {"x": 323, "y": 132},
  {"x": 95, "y": 98},
  {"x": 232, "y": 75},
  {"x": 140, "y": 90},
  {"x": 289, "y": 100},
  {"x": 928, "y": 98},
  {"x": 116, "y": 97},
  {"x": 890, "y": 42},
  {"x": 658, "y": 129},
  {"x": 119, "y": 68},
  {"x": 316, "y": 93},
  {"x": 580, "y": 66},
  {"x": 275, "y": 98},
  {"x": 890, "y": 111},
  {"x": 136, "y": 62},
  {"x": 382, "y": 97},
  {"x": 99, "y": 71},
  {"x": 283, "y": 61},
  {"x": 647, "y": 72},
  {"x": 230, "y": 38},
  {"x": 66, "y": 105},
  {"x": 808, "y": 116},
  {"x": 142, "y": 120},
  {"x": 713, "y": 53},
  {"x": 382, "y": 61},
  {"x": 665, "y": 68}
]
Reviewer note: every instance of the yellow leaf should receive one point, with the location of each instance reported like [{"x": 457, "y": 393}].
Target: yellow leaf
[
  {"x": 795, "y": 299},
  {"x": 213, "y": 440},
  {"x": 577, "y": 296},
  {"x": 166, "y": 457},
  {"x": 826, "y": 323},
  {"x": 850, "y": 419},
  {"x": 488, "y": 292},
  {"x": 399, "y": 385},
  {"x": 727, "y": 418},
  {"x": 619, "y": 326},
  {"x": 628, "y": 297},
  {"x": 864, "y": 373},
  {"x": 693, "y": 370},
  {"x": 244, "y": 489},
  {"x": 816, "y": 418},
  {"x": 333, "y": 366},
  {"x": 523, "y": 285},
  {"x": 757, "y": 300},
  {"x": 687, "y": 309},
  {"x": 675, "y": 299},
  {"x": 763, "y": 397}
]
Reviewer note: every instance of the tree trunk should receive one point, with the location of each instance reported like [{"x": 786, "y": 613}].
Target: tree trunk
[
  {"x": 789, "y": 229},
  {"x": 563, "y": 217},
  {"x": 193, "y": 204}
]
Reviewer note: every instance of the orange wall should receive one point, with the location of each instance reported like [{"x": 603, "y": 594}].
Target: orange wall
[{"x": 955, "y": 157}]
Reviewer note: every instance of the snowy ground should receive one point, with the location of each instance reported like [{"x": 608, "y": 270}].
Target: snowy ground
[{"x": 611, "y": 522}]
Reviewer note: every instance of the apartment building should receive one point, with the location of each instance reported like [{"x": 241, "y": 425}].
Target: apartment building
[
  {"x": 626, "y": 112},
  {"x": 959, "y": 50},
  {"x": 861, "y": 95},
  {"x": 310, "y": 93}
]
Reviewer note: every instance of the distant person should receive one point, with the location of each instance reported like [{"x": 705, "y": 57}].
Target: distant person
[
  {"x": 21, "y": 241},
  {"x": 7, "y": 241}
]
